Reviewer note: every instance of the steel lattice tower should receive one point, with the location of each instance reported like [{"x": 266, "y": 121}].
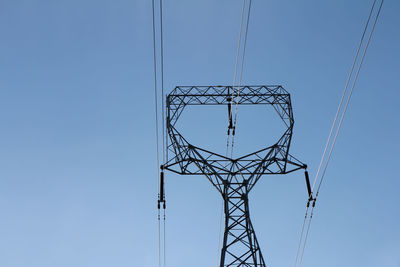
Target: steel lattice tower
[{"x": 233, "y": 178}]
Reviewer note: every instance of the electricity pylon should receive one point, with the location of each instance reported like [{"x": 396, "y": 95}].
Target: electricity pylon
[{"x": 233, "y": 178}]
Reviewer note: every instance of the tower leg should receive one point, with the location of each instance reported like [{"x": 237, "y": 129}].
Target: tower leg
[{"x": 240, "y": 246}]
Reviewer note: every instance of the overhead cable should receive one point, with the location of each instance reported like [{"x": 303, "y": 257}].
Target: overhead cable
[
  {"x": 236, "y": 92},
  {"x": 156, "y": 129},
  {"x": 160, "y": 177},
  {"x": 343, "y": 96},
  {"x": 231, "y": 99},
  {"x": 241, "y": 75},
  {"x": 339, "y": 124}
]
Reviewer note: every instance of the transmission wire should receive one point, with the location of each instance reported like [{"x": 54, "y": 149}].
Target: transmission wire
[
  {"x": 162, "y": 81},
  {"x": 165, "y": 257},
  {"x": 306, "y": 237},
  {"x": 238, "y": 50},
  {"x": 234, "y": 76},
  {"x": 156, "y": 129},
  {"x": 157, "y": 123},
  {"x": 234, "y": 80},
  {"x": 163, "y": 122},
  {"x": 343, "y": 96},
  {"x": 240, "y": 80},
  {"x": 342, "y": 116},
  {"x": 301, "y": 235},
  {"x": 240, "y": 77},
  {"x": 349, "y": 97},
  {"x": 333, "y": 125}
]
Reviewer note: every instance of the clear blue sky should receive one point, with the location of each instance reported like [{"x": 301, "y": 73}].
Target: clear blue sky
[{"x": 77, "y": 176}]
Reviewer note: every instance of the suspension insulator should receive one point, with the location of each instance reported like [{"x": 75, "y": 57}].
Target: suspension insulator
[
  {"x": 308, "y": 185},
  {"x": 230, "y": 125},
  {"x": 162, "y": 187}
]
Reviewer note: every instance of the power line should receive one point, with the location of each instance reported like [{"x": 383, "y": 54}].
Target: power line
[
  {"x": 162, "y": 80},
  {"x": 241, "y": 74},
  {"x": 238, "y": 49},
  {"x": 333, "y": 127},
  {"x": 232, "y": 122},
  {"x": 160, "y": 178},
  {"x": 343, "y": 95},
  {"x": 351, "y": 93},
  {"x": 163, "y": 128},
  {"x": 301, "y": 235},
  {"x": 165, "y": 247},
  {"x": 338, "y": 126},
  {"x": 230, "y": 126},
  {"x": 155, "y": 98},
  {"x": 156, "y": 128}
]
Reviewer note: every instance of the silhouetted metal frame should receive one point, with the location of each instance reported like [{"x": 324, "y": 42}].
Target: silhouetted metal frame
[{"x": 233, "y": 178}]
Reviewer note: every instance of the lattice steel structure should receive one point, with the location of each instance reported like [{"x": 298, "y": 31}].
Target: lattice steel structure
[{"x": 233, "y": 178}]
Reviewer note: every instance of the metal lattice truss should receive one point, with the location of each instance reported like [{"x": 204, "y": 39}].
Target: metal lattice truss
[
  {"x": 187, "y": 159},
  {"x": 233, "y": 178}
]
